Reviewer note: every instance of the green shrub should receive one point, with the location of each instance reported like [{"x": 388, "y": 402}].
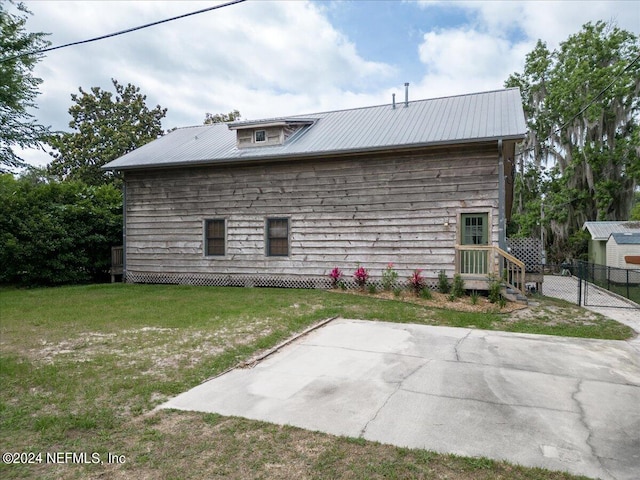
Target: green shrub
[
  {"x": 55, "y": 233},
  {"x": 495, "y": 290},
  {"x": 474, "y": 298},
  {"x": 372, "y": 288},
  {"x": 443, "y": 282},
  {"x": 458, "y": 286},
  {"x": 426, "y": 294}
]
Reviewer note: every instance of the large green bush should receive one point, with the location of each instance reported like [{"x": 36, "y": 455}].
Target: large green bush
[{"x": 57, "y": 232}]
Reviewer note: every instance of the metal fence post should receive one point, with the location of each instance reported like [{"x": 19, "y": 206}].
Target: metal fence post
[
  {"x": 580, "y": 274},
  {"x": 628, "y": 294}
]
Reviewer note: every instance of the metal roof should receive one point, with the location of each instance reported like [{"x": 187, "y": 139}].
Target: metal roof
[
  {"x": 459, "y": 119},
  {"x": 627, "y": 238},
  {"x": 602, "y": 230}
]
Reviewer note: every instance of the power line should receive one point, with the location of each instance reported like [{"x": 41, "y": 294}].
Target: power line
[{"x": 122, "y": 32}]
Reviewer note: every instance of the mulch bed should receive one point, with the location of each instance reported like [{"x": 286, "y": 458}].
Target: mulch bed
[{"x": 440, "y": 300}]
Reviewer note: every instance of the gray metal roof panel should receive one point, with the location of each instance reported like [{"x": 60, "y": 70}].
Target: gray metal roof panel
[
  {"x": 627, "y": 238},
  {"x": 463, "y": 118},
  {"x": 602, "y": 230}
]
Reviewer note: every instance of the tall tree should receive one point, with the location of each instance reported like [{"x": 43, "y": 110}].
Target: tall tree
[
  {"x": 104, "y": 128},
  {"x": 221, "y": 117},
  {"x": 18, "y": 86},
  {"x": 583, "y": 113}
]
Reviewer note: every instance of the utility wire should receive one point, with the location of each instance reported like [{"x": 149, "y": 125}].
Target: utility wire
[{"x": 122, "y": 32}]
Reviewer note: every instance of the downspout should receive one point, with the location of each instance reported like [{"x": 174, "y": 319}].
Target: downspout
[
  {"x": 124, "y": 231},
  {"x": 502, "y": 232}
]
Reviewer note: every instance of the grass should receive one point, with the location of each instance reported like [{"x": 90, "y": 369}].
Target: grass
[
  {"x": 632, "y": 292},
  {"x": 81, "y": 369}
]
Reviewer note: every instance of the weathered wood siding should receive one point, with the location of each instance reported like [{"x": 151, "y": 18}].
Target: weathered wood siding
[{"x": 343, "y": 212}]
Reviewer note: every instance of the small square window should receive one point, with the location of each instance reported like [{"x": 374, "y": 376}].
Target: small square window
[
  {"x": 215, "y": 237},
  {"x": 277, "y": 237},
  {"x": 261, "y": 136}
]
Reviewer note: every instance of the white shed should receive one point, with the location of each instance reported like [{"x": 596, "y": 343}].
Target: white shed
[{"x": 623, "y": 250}]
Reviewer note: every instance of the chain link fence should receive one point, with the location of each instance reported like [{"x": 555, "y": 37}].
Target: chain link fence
[
  {"x": 589, "y": 284},
  {"x": 605, "y": 286}
]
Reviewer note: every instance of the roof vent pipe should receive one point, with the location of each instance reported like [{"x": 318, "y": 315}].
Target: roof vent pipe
[
  {"x": 393, "y": 101},
  {"x": 406, "y": 94}
]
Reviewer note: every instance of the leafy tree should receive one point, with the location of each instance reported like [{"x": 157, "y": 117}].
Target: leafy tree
[
  {"x": 104, "y": 128},
  {"x": 18, "y": 86},
  {"x": 635, "y": 211},
  {"x": 583, "y": 114},
  {"x": 221, "y": 117},
  {"x": 57, "y": 232}
]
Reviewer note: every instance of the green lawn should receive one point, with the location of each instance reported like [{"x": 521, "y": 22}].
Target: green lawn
[{"x": 81, "y": 369}]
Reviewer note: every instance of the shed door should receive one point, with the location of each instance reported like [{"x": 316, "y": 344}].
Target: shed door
[{"x": 474, "y": 231}]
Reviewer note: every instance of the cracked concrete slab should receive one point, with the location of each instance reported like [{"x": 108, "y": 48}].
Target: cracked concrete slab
[{"x": 553, "y": 402}]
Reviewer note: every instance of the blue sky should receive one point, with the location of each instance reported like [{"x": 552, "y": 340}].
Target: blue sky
[
  {"x": 389, "y": 31},
  {"x": 270, "y": 58}
]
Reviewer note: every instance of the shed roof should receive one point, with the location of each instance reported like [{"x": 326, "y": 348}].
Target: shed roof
[
  {"x": 459, "y": 119},
  {"x": 602, "y": 230},
  {"x": 626, "y": 238}
]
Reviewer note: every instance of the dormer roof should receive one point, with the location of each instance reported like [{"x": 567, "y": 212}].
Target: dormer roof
[{"x": 272, "y": 122}]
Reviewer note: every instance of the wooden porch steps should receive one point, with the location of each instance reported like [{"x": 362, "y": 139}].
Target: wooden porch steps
[{"x": 514, "y": 295}]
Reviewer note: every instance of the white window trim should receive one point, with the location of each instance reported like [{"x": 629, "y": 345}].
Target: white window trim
[{"x": 255, "y": 136}]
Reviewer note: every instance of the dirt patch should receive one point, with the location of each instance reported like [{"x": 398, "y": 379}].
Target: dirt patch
[
  {"x": 156, "y": 351},
  {"x": 555, "y": 314}
]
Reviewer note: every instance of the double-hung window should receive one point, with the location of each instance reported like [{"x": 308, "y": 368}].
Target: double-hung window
[
  {"x": 277, "y": 237},
  {"x": 215, "y": 237}
]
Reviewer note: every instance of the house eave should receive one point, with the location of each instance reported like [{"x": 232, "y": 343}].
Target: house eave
[{"x": 311, "y": 155}]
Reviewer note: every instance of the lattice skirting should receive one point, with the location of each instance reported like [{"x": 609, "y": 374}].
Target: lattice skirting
[
  {"x": 230, "y": 280},
  {"x": 274, "y": 281}
]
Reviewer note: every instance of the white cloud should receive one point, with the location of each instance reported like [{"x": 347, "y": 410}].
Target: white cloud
[
  {"x": 495, "y": 39},
  {"x": 198, "y": 62},
  {"x": 550, "y": 21},
  {"x": 268, "y": 58},
  {"x": 464, "y": 53},
  {"x": 454, "y": 59}
]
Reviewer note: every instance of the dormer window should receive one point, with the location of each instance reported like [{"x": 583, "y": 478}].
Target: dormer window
[
  {"x": 268, "y": 132},
  {"x": 261, "y": 136}
]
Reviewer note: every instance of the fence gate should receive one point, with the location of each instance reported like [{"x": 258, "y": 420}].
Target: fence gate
[
  {"x": 561, "y": 281},
  {"x": 604, "y": 286}
]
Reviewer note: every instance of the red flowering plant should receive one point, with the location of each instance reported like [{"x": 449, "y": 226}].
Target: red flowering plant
[
  {"x": 335, "y": 275},
  {"x": 361, "y": 275},
  {"x": 417, "y": 281}
]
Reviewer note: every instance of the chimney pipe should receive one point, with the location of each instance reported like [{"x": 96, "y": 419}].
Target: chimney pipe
[
  {"x": 393, "y": 101},
  {"x": 406, "y": 94}
]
